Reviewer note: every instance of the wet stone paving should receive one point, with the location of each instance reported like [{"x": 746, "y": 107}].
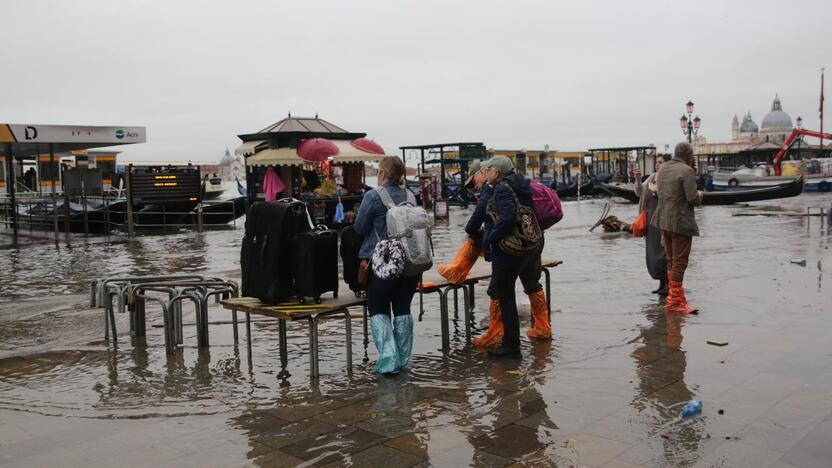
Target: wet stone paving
[{"x": 608, "y": 390}]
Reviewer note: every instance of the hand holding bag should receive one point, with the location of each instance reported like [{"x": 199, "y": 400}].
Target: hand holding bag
[{"x": 639, "y": 226}]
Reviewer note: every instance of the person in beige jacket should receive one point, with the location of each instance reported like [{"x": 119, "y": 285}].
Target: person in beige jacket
[{"x": 674, "y": 216}]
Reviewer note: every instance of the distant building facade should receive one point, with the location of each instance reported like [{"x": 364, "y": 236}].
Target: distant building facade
[{"x": 772, "y": 133}]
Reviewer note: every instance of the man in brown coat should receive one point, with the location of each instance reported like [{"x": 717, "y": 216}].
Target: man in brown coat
[{"x": 674, "y": 216}]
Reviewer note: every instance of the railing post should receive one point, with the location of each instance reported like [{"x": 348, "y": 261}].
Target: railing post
[
  {"x": 86, "y": 218},
  {"x": 66, "y": 218},
  {"x": 199, "y": 217},
  {"x": 127, "y": 172}
]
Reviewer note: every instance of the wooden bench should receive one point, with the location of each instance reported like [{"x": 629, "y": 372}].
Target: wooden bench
[
  {"x": 312, "y": 313},
  {"x": 292, "y": 311}
]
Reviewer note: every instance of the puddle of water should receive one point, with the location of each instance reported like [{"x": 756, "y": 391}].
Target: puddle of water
[{"x": 617, "y": 362}]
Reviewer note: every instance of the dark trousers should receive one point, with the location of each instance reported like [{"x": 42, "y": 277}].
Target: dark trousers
[
  {"x": 505, "y": 269},
  {"x": 677, "y": 251},
  {"x": 382, "y": 295},
  {"x": 529, "y": 277}
]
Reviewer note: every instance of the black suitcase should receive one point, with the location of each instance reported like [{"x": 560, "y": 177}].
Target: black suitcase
[
  {"x": 316, "y": 264},
  {"x": 350, "y": 246},
  {"x": 266, "y": 253},
  {"x": 300, "y": 221}
]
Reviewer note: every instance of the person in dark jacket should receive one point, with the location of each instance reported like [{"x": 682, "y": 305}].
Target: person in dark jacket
[
  {"x": 648, "y": 201},
  {"x": 394, "y": 341},
  {"x": 506, "y": 268}
]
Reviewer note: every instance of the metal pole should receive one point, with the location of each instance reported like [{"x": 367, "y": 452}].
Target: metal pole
[
  {"x": 86, "y": 214},
  {"x": 199, "y": 218},
  {"x": 11, "y": 179},
  {"x": 54, "y": 195},
  {"x": 821, "y": 111},
  {"x": 66, "y": 217},
  {"x": 442, "y": 171},
  {"x": 127, "y": 172}
]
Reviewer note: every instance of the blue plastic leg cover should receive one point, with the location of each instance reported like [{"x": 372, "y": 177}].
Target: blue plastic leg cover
[
  {"x": 403, "y": 332},
  {"x": 388, "y": 353}
]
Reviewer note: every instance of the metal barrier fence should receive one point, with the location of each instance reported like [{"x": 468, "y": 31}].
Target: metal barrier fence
[{"x": 96, "y": 215}]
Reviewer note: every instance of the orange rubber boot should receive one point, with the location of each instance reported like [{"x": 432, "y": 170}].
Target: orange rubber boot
[
  {"x": 541, "y": 329},
  {"x": 494, "y": 335},
  {"x": 456, "y": 271},
  {"x": 680, "y": 302},
  {"x": 671, "y": 293}
]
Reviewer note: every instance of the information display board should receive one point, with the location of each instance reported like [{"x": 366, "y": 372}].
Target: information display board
[{"x": 165, "y": 184}]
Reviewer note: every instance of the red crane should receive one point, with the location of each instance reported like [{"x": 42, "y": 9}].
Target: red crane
[{"x": 791, "y": 140}]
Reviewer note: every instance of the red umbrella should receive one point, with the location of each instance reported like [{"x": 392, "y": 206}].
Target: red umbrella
[
  {"x": 368, "y": 145},
  {"x": 317, "y": 149}
]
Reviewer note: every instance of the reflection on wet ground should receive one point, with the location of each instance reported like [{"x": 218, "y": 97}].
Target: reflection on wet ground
[{"x": 607, "y": 391}]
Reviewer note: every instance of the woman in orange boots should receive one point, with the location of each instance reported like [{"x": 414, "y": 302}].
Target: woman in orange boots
[{"x": 529, "y": 275}]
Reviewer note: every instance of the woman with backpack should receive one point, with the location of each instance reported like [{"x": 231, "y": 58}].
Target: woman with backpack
[
  {"x": 512, "y": 241},
  {"x": 393, "y": 339}
]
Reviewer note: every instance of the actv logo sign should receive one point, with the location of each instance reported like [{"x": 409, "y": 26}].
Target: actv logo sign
[{"x": 120, "y": 134}]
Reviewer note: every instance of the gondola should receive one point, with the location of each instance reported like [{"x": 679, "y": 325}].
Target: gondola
[
  {"x": 571, "y": 190},
  {"x": 597, "y": 180},
  {"x": 789, "y": 189}
]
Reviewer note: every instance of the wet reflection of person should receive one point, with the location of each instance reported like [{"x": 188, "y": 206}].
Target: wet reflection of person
[
  {"x": 660, "y": 365},
  {"x": 515, "y": 418}
]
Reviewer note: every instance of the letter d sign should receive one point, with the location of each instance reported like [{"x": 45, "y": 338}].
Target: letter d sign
[{"x": 31, "y": 133}]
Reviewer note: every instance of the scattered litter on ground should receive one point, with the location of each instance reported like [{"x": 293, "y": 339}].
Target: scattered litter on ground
[
  {"x": 721, "y": 411},
  {"x": 665, "y": 436},
  {"x": 717, "y": 343},
  {"x": 798, "y": 261},
  {"x": 221, "y": 399}
]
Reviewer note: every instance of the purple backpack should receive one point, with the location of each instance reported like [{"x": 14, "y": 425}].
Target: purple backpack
[{"x": 546, "y": 205}]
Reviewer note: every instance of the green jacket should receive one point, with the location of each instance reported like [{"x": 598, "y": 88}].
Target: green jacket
[{"x": 677, "y": 197}]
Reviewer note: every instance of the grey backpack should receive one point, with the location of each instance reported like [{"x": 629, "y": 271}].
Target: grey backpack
[{"x": 409, "y": 224}]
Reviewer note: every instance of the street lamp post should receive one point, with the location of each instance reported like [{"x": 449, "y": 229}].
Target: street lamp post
[
  {"x": 799, "y": 122},
  {"x": 689, "y": 123}
]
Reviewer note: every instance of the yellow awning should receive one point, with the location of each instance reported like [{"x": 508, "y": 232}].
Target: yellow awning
[
  {"x": 248, "y": 148},
  {"x": 275, "y": 157},
  {"x": 349, "y": 153}
]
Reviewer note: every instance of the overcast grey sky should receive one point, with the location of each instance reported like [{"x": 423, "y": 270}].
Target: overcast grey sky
[{"x": 514, "y": 74}]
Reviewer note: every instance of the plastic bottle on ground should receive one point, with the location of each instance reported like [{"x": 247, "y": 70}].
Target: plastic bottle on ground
[{"x": 692, "y": 407}]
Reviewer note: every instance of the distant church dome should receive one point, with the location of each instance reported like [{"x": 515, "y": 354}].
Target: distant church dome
[
  {"x": 748, "y": 125},
  {"x": 227, "y": 160},
  {"x": 777, "y": 118}
]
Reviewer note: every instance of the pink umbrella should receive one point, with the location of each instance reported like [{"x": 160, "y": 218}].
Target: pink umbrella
[
  {"x": 368, "y": 145},
  {"x": 317, "y": 149}
]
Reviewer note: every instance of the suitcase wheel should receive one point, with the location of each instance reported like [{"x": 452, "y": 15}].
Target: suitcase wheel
[{"x": 302, "y": 300}]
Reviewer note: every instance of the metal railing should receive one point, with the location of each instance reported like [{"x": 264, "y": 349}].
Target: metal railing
[{"x": 102, "y": 214}]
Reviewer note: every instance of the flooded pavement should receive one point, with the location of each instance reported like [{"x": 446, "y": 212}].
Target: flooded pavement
[{"x": 606, "y": 391}]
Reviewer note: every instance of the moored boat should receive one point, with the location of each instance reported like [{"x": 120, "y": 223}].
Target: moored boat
[{"x": 789, "y": 189}]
